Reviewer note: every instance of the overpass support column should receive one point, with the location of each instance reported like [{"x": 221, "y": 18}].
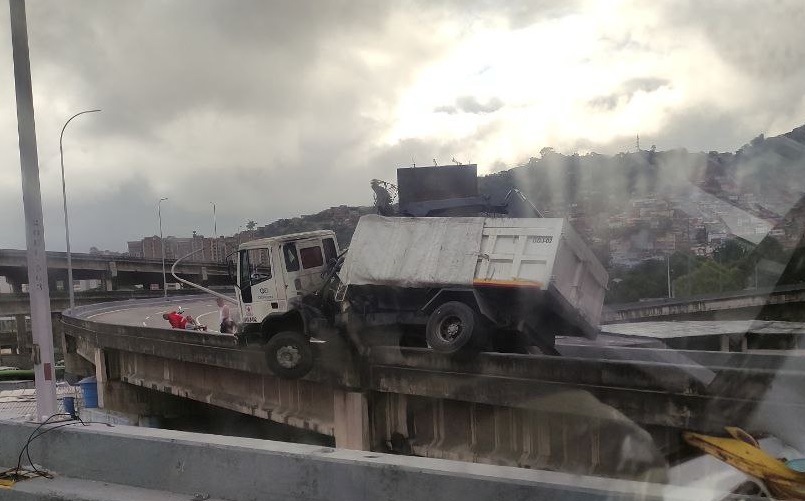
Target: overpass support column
[
  {"x": 58, "y": 338},
  {"x": 22, "y": 334},
  {"x": 351, "y": 420},
  {"x": 15, "y": 283},
  {"x": 100, "y": 375}
]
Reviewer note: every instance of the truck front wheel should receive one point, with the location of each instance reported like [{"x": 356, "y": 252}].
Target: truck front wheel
[
  {"x": 289, "y": 355},
  {"x": 452, "y": 327}
]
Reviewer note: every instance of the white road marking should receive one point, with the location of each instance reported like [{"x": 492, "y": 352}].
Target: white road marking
[
  {"x": 108, "y": 312},
  {"x": 205, "y": 314}
]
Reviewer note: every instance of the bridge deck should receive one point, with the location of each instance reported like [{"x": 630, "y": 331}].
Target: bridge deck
[{"x": 677, "y": 388}]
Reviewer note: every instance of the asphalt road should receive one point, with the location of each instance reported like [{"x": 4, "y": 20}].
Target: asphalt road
[{"x": 204, "y": 310}]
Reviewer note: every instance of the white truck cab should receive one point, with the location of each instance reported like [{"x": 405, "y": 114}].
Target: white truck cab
[{"x": 272, "y": 271}]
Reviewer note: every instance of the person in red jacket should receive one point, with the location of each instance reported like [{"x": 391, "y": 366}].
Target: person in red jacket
[{"x": 176, "y": 320}]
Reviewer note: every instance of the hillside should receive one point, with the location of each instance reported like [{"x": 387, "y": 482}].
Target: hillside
[
  {"x": 636, "y": 209},
  {"x": 342, "y": 220}
]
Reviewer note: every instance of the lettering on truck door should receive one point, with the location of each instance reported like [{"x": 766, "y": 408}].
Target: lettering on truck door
[{"x": 257, "y": 287}]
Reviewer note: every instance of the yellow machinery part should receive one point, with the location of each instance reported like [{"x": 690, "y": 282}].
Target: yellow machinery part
[{"x": 743, "y": 453}]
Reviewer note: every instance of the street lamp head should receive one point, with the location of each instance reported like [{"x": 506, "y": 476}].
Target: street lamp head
[
  {"x": 163, "y": 199},
  {"x": 71, "y": 119}
]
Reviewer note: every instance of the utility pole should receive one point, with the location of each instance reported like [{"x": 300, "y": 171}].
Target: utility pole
[
  {"x": 38, "y": 292},
  {"x": 162, "y": 241}
]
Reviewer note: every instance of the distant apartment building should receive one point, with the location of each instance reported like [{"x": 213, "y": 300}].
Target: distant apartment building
[{"x": 197, "y": 248}]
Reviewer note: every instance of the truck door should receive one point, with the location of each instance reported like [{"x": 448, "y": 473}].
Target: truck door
[
  {"x": 304, "y": 263},
  {"x": 257, "y": 289}
]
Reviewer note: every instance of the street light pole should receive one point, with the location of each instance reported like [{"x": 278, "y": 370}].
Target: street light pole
[
  {"x": 66, "y": 221},
  {"x": 215, "y": 233},
  {"x": 668, "y": 273},
  {"x": 162, "y": 241},
  {"x": 214, "y": 221}
]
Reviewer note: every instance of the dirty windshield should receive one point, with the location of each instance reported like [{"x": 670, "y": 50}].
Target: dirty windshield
[{"x": 398, "y": 250}]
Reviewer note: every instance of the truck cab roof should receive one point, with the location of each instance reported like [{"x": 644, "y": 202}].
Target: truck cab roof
[{"x": 269, "y": 241}]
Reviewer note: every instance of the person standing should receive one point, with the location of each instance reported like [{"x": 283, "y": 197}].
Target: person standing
[{"x": 227, "y": 325}]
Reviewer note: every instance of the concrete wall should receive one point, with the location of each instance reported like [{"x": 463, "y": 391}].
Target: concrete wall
[
  {"x": 247, "y": 469},
  {"x": 571, "y": 432}
]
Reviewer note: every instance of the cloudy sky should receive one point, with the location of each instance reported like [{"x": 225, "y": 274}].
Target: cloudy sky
[{"x": 273, "y": 109}]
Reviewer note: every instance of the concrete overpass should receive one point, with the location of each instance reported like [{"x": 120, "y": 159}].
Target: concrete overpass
[
  {"x": 114, "y": 272},
  {"x": 769, "y": 303},
  {"x": 16, "y": 336},
  {"x": 571, "y": 413}
]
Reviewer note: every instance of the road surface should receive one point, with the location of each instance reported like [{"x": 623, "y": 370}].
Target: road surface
[{"x": 204, "y": 310}]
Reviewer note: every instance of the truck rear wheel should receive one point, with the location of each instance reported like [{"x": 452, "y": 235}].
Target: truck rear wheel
[
  {"x": 289, "y": 355},
  {"x": 452, "y": 327}
]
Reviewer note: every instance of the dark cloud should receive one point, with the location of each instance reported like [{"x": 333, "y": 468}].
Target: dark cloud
[
  {"x": 626, "y": 92},
  {"x": 645, "y": 84},
  {"x": 765, "y": 40},
  {"x": 518, "y": 14},
  {"x": 470, "y": 104},
  {"x": 606, "y": 103},
  {"x": 276, "y": 108},
  {"x": 256, "y": 106}
]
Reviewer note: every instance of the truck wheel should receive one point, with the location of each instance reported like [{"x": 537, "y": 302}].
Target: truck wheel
[
  {"x": 452, "y": 327},
  {"x": 289, "y": 355}
]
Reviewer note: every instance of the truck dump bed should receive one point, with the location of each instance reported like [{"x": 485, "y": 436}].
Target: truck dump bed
[{"x": 539, "y": 253}]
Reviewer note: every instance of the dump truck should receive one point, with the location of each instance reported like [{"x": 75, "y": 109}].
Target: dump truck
[{"x": 454, "y": 284}]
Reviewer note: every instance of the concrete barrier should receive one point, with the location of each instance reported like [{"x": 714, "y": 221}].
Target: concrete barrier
[{"x": 248, "y": 469}]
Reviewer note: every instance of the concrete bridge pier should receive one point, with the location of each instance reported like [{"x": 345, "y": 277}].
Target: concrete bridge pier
[
  {"x": 108, "y": 282},
  {"x": 16, "y": 283},
  {"x": 23, "y": 335},
  {"x": 22, "y": 341},
  {"x": 128, "y": 403},
  {"x": 351, "y": 420}
]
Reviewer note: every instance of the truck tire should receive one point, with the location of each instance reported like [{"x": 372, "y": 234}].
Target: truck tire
[
  {"x": 452, "y": 327},
  {"x": 289, "y": 355}
]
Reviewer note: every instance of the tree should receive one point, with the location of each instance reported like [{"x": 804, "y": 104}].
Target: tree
[
  {"x": 709, "y": 278},
  {"x": 572, "y": 174},
  {"x": 250, "y": 225},
  {"x": 729, "y": 252},
  {"x": 646, "y": 280}
]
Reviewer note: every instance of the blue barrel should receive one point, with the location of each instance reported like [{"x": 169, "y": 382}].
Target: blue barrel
[
  {"x": 796, "y": 464},
  {"x": 89, "y": 390},
  {"x": 69, "y": 405}
]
